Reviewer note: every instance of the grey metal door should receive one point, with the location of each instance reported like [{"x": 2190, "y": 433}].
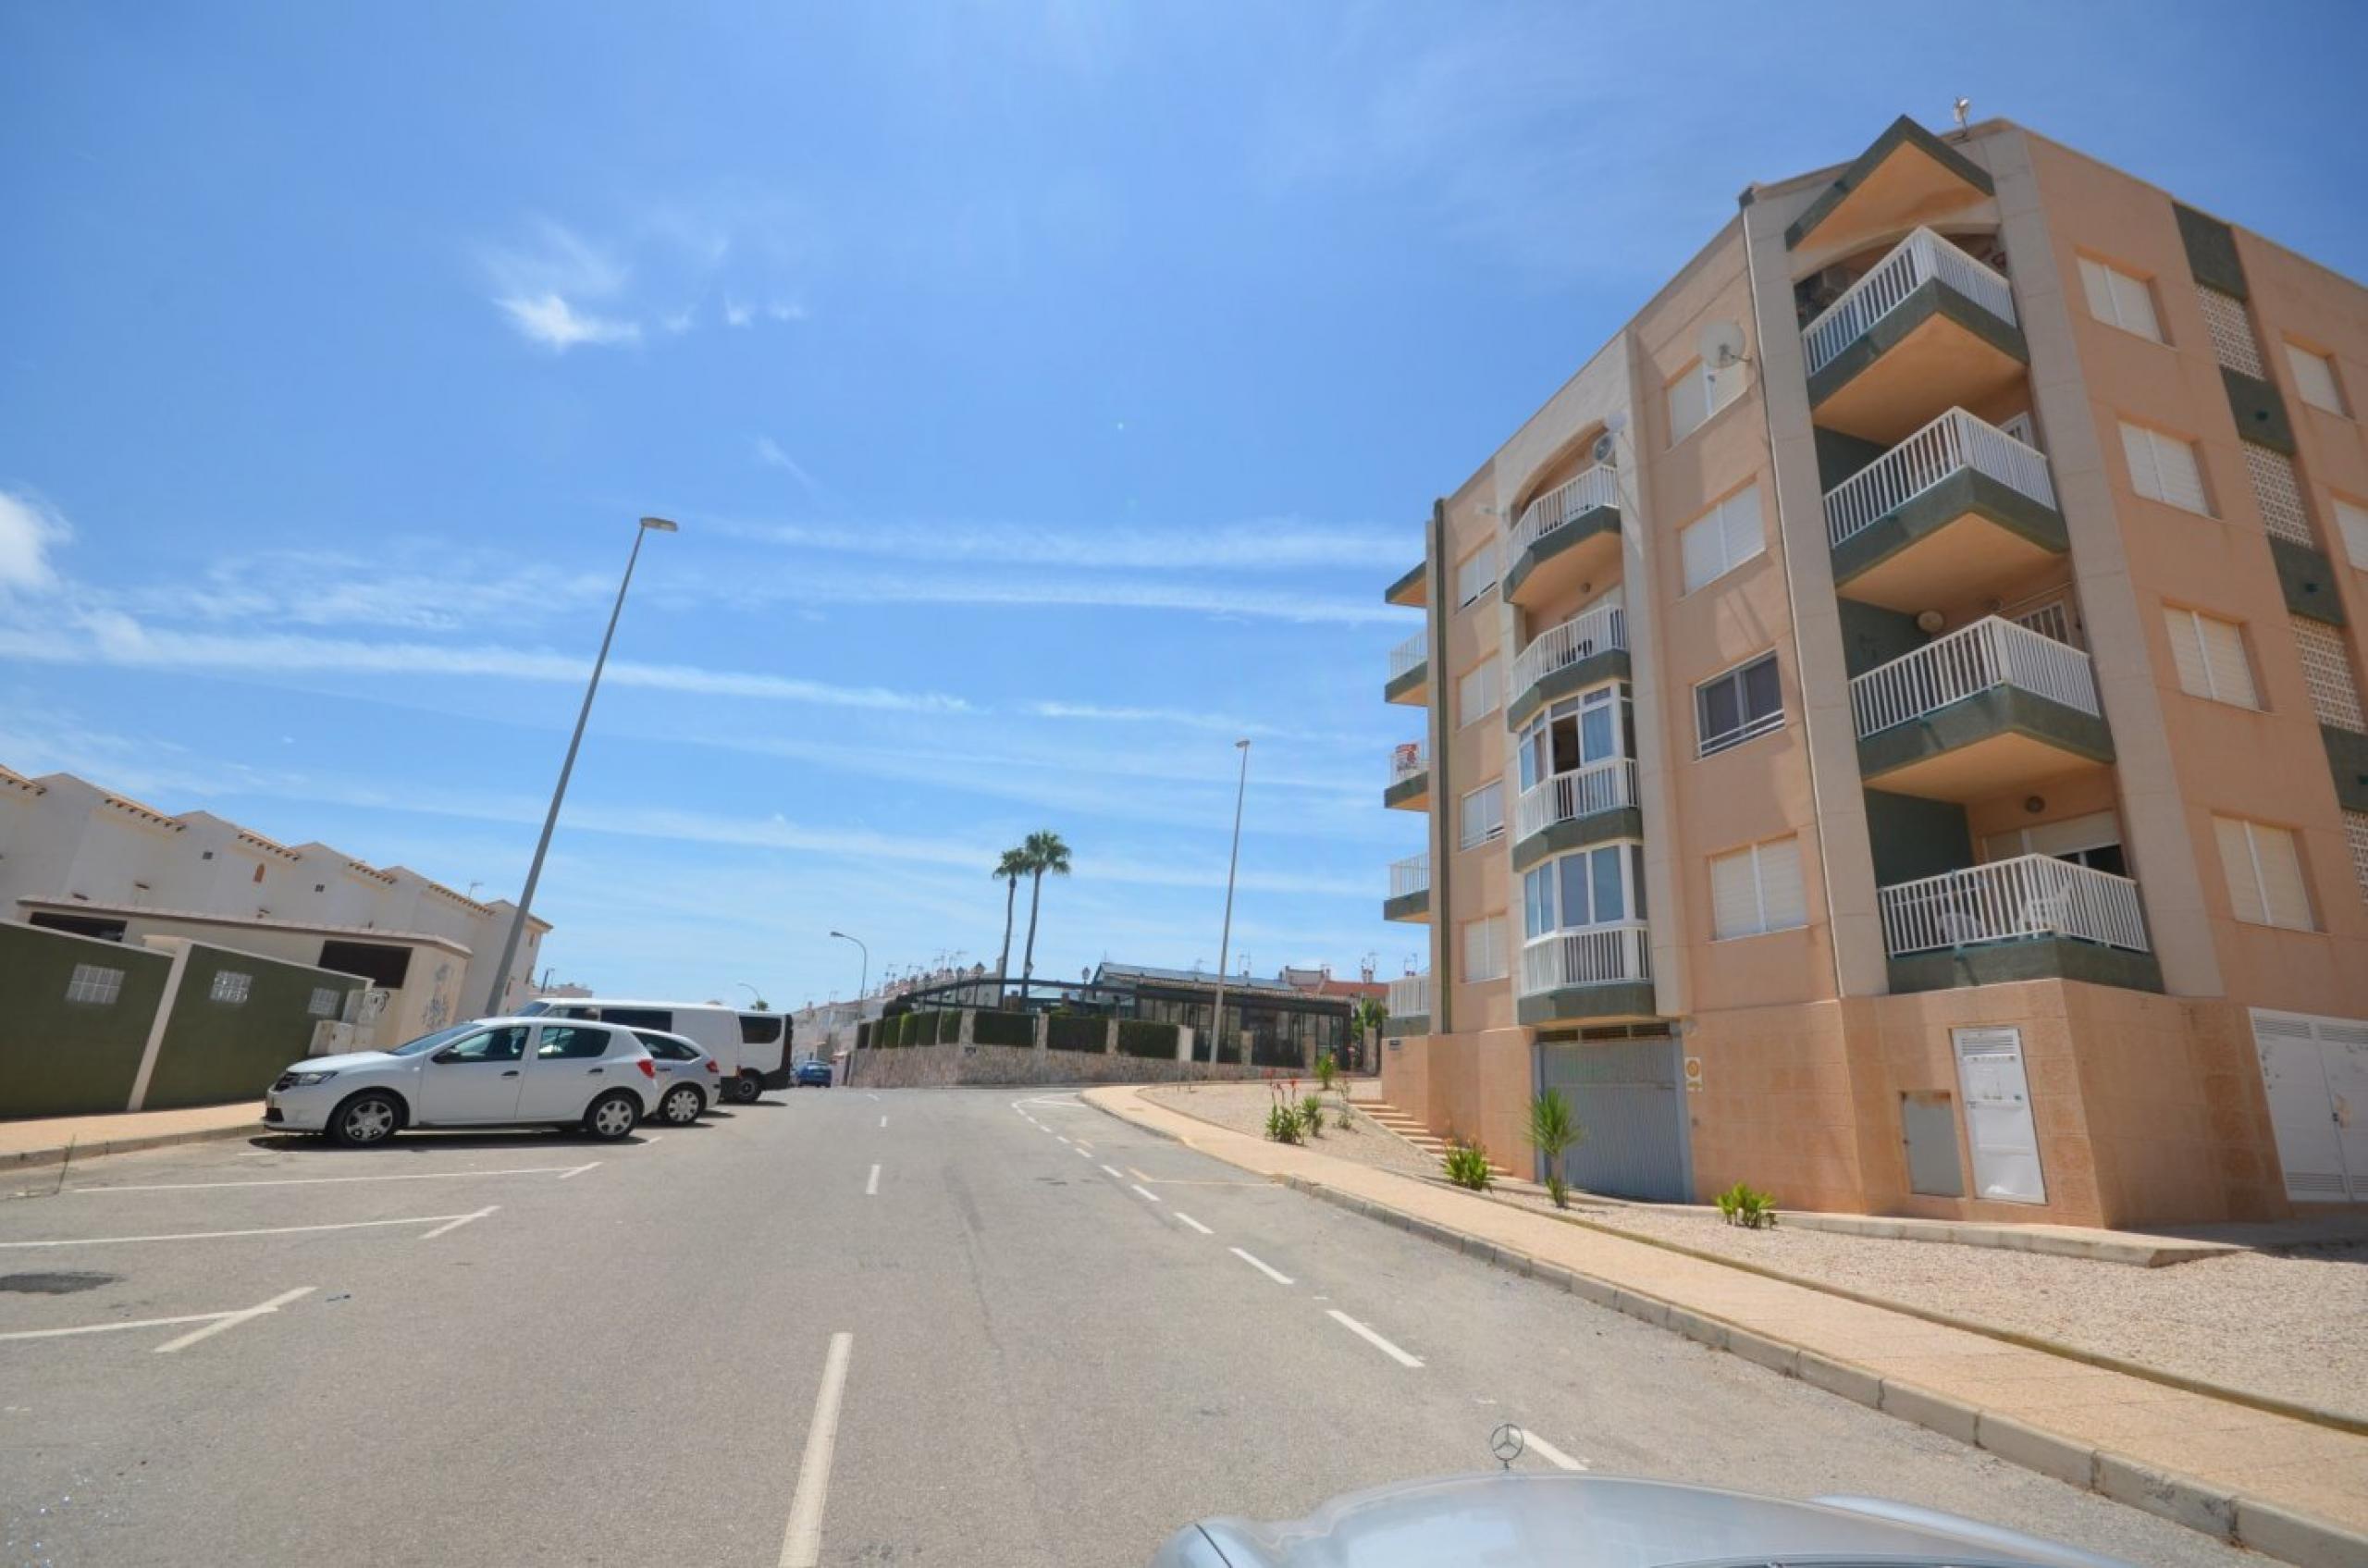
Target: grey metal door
[{"x": 1625, "y": 1096}]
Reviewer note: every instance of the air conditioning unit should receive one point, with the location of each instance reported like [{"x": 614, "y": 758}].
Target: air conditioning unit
[
  {"x": 330, "y": 1037},
  {"x": 1606, "y": 450}
]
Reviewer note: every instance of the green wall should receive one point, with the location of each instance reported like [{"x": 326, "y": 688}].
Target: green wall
[
  {"x": 1840, "y": 456},
  {"x": 1872, "y": 636},
  {"x": 71, "y": 1058},
  {"x": 1914, "y": 839},
  {"x": 217, "y": 1051}
]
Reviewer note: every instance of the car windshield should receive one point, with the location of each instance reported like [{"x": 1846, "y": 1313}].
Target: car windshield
[{"x": 427, "y": 1043}]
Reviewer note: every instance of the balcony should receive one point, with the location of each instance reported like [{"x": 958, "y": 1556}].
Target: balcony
[
  {"x": 2029, "y": 918},
  {"x": 1988, "y": 707},
  {"x": 1584, "y": 806},
  {"x": 1410, "y": 1006},
  {"x": 1599, "y": 972},
  {"x": 1409, "y": 671},
  {"x": 1927, "y": 328},
  {"x": 1410, "y": 778},
  {"x": 1588, "y": 649},
  {"x": 1409, "y": 891},
  {"x": 1568, "y": 535},
  {"x": 1413, "y": 589},
  {"x": 1959, "y": 510}
]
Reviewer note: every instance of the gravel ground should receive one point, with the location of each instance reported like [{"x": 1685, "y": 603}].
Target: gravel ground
[{"x": 2293, "y": 1326}]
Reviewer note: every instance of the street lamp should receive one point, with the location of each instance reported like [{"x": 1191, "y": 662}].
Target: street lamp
[
  {"x": 535, "y": 870},
  {"x": 865, "y": 989},
  {"x": 1224, "y": 941},
  {"x": 753, "y": 992}
]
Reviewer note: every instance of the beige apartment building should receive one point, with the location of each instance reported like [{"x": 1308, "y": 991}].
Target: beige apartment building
[{"x": 1891, "y": 723}]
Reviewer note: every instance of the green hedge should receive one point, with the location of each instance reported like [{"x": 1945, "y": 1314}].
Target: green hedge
[
  {"x": 1141, "y": 1037},
  {"x": 991, "y": 1027},
  {"x": 1078, "y": 1031}
]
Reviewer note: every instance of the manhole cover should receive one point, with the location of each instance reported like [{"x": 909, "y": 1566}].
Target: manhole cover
[{"x": 55, "y": 1284}]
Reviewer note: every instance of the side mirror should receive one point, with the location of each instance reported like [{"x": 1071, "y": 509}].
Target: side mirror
[{"x": 447, "y": 1054}]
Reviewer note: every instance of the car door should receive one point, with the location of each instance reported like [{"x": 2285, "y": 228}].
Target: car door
[
  {"x": 475, "y": 1078},
  {"x": 565, "y": 1071}
]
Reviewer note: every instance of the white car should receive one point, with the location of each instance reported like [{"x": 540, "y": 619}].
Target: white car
[
  {"x": 688, "y": 1079},
  {"x": 494, "y": 1072}
]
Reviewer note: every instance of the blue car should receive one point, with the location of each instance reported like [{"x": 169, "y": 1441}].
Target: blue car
[{"x": 811, "y": 1071}]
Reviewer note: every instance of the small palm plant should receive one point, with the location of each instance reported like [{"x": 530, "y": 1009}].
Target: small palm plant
[
  {"x": 1553, "y": 1132},
  {"x": 1467, "y": 1165}
]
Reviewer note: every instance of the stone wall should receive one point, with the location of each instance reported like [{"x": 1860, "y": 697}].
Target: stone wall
[{"x": 924, "y": 1066}]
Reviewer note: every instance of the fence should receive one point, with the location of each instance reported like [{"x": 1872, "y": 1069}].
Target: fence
[
  {"x": 1597, "y": 955},
  {"x": 1406, "y": 656},
  {"x": 1411, "y": 875},
  {"x": 1582, "y": 637},
  {"x": 1914, "y": 261},
  {"x": 1598, "y": 486},
  {"x": 1561, "y": 797},
  {"x": 1410, "y": 998},
  {"x": 2004, "y": 900},
  {"x": 1991, "y": 652},
  {"x": 1954, "y": 441}
]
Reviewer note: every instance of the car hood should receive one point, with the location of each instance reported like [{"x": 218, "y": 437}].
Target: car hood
[
  {"x": 1517, "y": 1520},
  {"x": 346, "y": 1061}
]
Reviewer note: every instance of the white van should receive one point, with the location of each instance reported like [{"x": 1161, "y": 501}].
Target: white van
[{"x": 753, "y": 1047}]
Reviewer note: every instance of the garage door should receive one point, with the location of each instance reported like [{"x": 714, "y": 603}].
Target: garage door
[
  {"x": 2316, "y": 1072},
  {"x": 1625, "y": 1096}
]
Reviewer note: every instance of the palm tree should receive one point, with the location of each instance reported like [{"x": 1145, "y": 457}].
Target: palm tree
[
  {"x": 1008, "y": 871},
  {"x": 1045, "y": 852}
]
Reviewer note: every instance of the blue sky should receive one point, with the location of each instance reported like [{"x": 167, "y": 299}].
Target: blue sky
[{"x": 1046, "y": 393}]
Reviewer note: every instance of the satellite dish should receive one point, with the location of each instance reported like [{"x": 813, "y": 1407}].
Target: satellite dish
[
  {"x": 1721, "y": 344},
  {"x": 1605, "y": 450}
]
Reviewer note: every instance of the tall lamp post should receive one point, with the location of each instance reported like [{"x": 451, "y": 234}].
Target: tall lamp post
[
  {"x": 1224, "y": 941},
  {"x": 550, "y": 820},
  {"x": 864, "y": 988}
]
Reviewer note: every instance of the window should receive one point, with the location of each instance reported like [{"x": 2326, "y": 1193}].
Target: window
[
  {"x": 759, "y": 1029},
  {"x": 665, "y": 1048},
  {"x": 2233, "y": 343},
  {"x": 1697, "y": 393},
  {"x": 2314, "y": 379},
  {"x": 2163, "y": 468},
  {"x": 326, "y": 1002},
  {"x": 95, "y": 984},
  {"x": 640, "y": 1017},
  {"x": 2118, "y": 300},
  {"x": 2351, "y": 522},
  {"x": 2278, "y": 492},
  {"x": 2355, "y": 834},
  {"x": 1758, "y": 889},
  {"x": 2210, "y": 656},
  {"x": 571, "y": 1042},
  {"x": 1476, "y": 575},
  {"x": 231, "y": 986},
  {"x": 1730, "y": 709},
  {"x": 377, "y": 962},
  {"x": 505, "y": 1045},
  {"x": 1603, "y": 886},
  {"x": 1595, "y": 726},
  {"x": 2265, "y": 871},
  {"x": 2327, "y": 670},
  {"x": 1722, "y": 539},
  {"x": 1484, "y": 949},
  {"x": 1484, "y": 815},
  {"x": 1477, "y": 696}
]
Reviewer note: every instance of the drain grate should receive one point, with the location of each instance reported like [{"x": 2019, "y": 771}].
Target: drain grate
[{"x": 55, "y": 1284}]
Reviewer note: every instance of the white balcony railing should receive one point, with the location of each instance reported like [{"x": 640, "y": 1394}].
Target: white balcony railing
[
  {"x": 1954, "y": 441},
  {"x": 1606, "y": 627},
  {"x": 2029, "y": 895},
  {"x": 1991, "y": 652},
  {"x": 1407, "y": 655},
  {"x": 1913, "y": 263},
  {"x": 1411, "y": 997},
  {"x": 1411, "y": 875},
  {"x": 1409, "y": 758},
  {"x": 1598, "y": 486},
  {"x": 1561, "y": 797},
  {"x": 1593, "y": 957}
]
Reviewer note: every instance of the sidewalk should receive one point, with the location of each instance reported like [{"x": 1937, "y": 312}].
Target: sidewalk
[
  {"x": 2280, "y": 1486},
  {"x": 44, "y": 1140}
]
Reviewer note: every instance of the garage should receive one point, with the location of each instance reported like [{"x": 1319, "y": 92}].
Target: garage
[
  {"x": 2316, "y": 1072},
  {"x": 1626, "y": 1098}
]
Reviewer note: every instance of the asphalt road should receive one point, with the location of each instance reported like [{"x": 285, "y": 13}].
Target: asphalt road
[{"x": 525, "y": 1349}]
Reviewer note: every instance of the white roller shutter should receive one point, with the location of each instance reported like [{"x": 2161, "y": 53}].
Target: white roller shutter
[
  {"x": 2352, "y": 523},
  {"x": 2314, "y": 379},
  {"x": 1758, "y": 889},
  {"x": 2209, "y": 654},
  {"x": 2162, "y": 467}
]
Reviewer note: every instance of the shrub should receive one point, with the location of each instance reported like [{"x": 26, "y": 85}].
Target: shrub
[
  {"x": 1311, "y": 1116},
  {"x": 1328, "y": 1072},
  {"x": 1748, "y": 1206},
  {"x": 1553, "y": 1132},
  {"x": 1076, "y": 1032},
  {"x": 1282, "y": 1123},
  {"x": 1467, "y": 1165},
  {"x": 991, "y": 1028},
  {"x": 1142, "y": 1037}
]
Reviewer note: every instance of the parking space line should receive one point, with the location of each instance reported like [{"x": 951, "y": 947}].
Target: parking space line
[
  {"x": 801, "y": 1542},
  {"x": 579, "y": 1170},
  {"x": 1082, "y": 1153},
  {"x": 1277, "y": 1275},
  {"x": 232, "y": 1319},
  {"x": 1370, "y": 1337},
  {"x": 563, "y": 1172},
  {"x": 111, "y": 1327},
  {"x": 884, "y": 1121},
  {"x": 266, "y": 1231},
  {"x": 871, "y": 1183},
  {"x": 1113, "y": 1175},
  {"x": 458, "y": 1221},
  {"x": 1190, "y": 1221},
  {"x": 645, "y": 1144},
  {"x": 1548, "y": 1452},
  {"x": 1138, "y": 1186}
]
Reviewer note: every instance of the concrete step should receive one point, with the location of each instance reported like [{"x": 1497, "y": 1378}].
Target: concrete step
[{"x": 1405, "y": 1127}]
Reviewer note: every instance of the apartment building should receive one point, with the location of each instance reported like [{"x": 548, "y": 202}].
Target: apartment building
[{"x": 1890, "y": 724}]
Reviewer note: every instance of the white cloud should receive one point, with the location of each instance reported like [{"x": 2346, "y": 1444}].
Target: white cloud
[
  {"x": 786, "y": 310},
  {"x": 681, "y": 321},
  {"x": 1225, "y": 723},
  {"x": 1113, "y": 593},
  {"x": 1256, "y": 544},
  {"x": 549, "y": 320},
  {"x": 539, "y": 285},
  {"x": 769, "y": 453},
  {"x": 736, "y": 313},
  {"x": 28, "y": 531}
]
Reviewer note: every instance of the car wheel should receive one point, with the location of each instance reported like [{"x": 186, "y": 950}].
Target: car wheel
[
  {"x": 745, "y": 1089},
  {"x": 366, "y": 1118},
  {"x": 612, "y": 1116},
  {"x": 682, "y": 1105}
]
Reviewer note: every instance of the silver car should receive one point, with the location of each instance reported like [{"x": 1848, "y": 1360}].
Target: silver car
[
  {"x": 689, "y": 1078},
  {"x": 1522, "y": 1519}
]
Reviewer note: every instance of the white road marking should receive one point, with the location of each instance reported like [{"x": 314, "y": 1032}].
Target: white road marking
[
  {"x": 267, "y": 1230},
  {"x": 884, "y": 1121},
  {"x": 1548, "y": 1452},
  {"x": 133, "y": 1323},
  {"x": 645, "y": 1144},
  {"x": 871, "y": 1183},
  {"x": 564, "y": 1171},
  {"x": 1083, "y": 1153},
  {"x": 1190, "y": 1221},
  {"x": 1086, "y": 1146},
  {"x": 1277, "y": 1275},
  {"x": 1152, "y": 1196},
  {"x": 232, "y": 1319},
  {"x": 1369, "y": 1337},
  {"x": 1063, "y": 1138},
  {"x": 456, "y": 1223},
  {"x": 801, "y": 1543},
  {"x": 1112, "y": 1174}
]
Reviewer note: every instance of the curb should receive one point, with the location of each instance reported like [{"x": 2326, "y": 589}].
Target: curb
[
  {"x": 2266, "y": 1527},
  {"x": 29, "y": 1159}
]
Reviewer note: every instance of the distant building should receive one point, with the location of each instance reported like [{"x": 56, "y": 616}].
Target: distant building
[{"x": 1282, "y": 1023}]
